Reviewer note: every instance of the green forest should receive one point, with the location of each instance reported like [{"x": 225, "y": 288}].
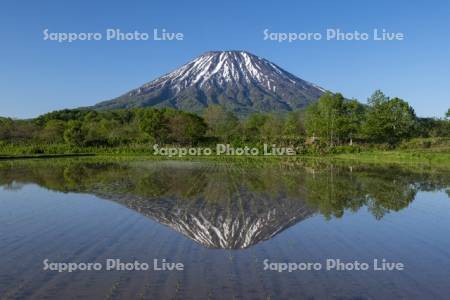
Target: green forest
[{"x": 331, "y": 124}]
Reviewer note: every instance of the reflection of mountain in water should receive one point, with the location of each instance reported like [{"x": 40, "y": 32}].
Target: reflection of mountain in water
[
  {"x": 232, "y": 226},
  {"x": 230, "y": 206}
]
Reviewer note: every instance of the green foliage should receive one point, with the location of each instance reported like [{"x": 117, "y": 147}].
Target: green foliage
[
  {"x": 435, "y": 143},
  {"x": 389, "y": 120},
  {"x": 221, "y": 123},
  {"x": 53, "y": 131},
  {"x": 331, "y": 125},
  {"x": 351, "y": 120},
  {"x": 5, "y": 129},
  {"x": 171, "y": 126},
  {"x": 62, "y": 115},
  {"x": 334, "y": 119},
  {"x": 272, "y": 128},
  {"x": 432, "y": 127},
  {"x": 254, "y": 124},
  {"x": 378, "y": 97},
  {"x": 154, "y": 124},
  {"x": 74, "y": 134},
  {"x": 185, "y": 128},
  {"x": 295, "y": 124}
]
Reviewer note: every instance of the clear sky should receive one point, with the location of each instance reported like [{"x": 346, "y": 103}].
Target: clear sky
[{"x": 38, "y": 76}]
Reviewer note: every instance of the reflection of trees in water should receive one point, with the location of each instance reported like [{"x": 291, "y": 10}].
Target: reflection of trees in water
[
  {"x": 334, "y": 190},
  {"x": 328, "y": 189},
  {"x": 230, "y": 206}
]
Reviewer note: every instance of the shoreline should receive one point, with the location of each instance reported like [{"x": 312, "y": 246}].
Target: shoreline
[
  {"x": 439, "y": 160},
  {"x": 41, "y": 156}
]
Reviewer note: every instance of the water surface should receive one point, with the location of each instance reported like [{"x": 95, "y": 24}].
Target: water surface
[{"x": 222, "y": 221}]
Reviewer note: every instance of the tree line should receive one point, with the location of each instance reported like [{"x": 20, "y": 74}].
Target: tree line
[{"x": 331, "y": 121}]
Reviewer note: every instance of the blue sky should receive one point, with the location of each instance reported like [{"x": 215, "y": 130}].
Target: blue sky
[{"x": 38, "y": 76}]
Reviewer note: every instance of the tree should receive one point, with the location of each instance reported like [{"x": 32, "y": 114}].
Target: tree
[
  {"x": 294, "y": 125},
  {"x": 221, "y": 123},
  {"x": 272, "y": 127},
  {"x": 377, "y": 97},
  {"x": 432, "y": 127},
  {"x": 154, "y": 124},
  {"x": 63, "y": 115},
  {"x": 185, "y": 128},
  {"x": 99, "y": 131},
  {"x": 447, "y": 114},
  {"x": 6, "y": 125},
  {"x": 253, "y": 125},
  {"x": 53, "y": 131},
  {"x": 329, "y": 118},
  {"x": 351, "y": 119},
  {"x": 23, "y": 131},
  {"x": 388, "y": 120},
  {"x": 74, "y": 133}
]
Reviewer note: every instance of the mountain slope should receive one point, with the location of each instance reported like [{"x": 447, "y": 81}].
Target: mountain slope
[{"x": 237, "y": 80}]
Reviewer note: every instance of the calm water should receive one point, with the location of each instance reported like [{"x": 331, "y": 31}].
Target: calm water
[{"x": 222, "y": 222}]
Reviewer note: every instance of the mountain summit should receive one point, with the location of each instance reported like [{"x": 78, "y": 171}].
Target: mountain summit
[{"x": 240, "y": 81}]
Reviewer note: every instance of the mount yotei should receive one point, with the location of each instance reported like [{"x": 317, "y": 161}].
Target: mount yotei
[{"x": 237, "y": 80}]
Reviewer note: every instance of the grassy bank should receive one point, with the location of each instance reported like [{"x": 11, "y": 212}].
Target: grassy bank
[
  {"x": 434, "y": 158},
  {"x": 24, "y": 156},
  {"x": 430, "y": 152}
]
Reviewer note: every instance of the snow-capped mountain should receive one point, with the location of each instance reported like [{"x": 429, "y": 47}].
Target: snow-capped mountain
[{"x": 237, "y": 80}]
